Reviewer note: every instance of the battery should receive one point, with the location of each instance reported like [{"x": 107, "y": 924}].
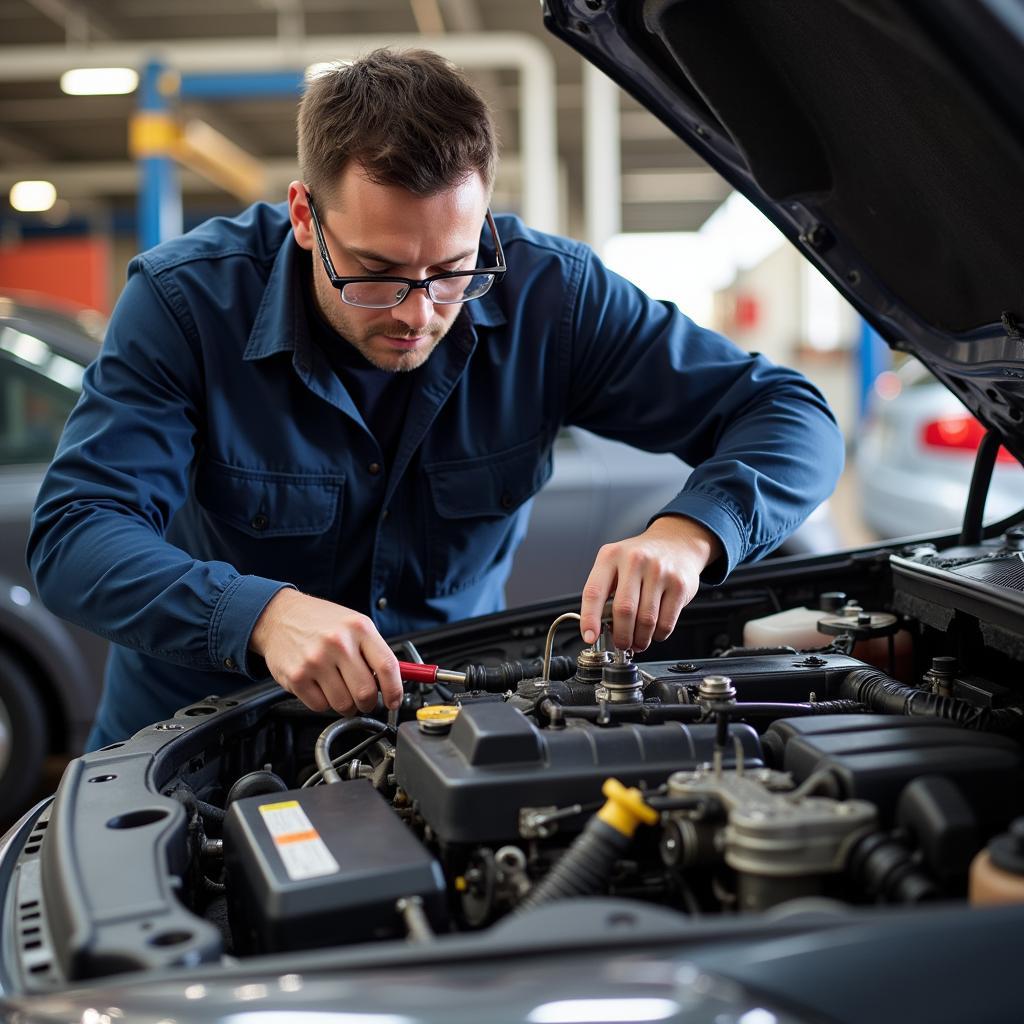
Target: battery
[{"x": 322, "y": 866}]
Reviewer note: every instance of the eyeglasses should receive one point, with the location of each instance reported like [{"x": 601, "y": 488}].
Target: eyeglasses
[{"x": 382, "y": 291}]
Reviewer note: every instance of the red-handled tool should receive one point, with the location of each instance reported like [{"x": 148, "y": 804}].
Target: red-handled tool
[{"x": 415, "y": 673}]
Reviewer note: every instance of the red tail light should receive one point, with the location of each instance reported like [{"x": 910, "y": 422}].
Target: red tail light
[{"x": 959, "y": 433}]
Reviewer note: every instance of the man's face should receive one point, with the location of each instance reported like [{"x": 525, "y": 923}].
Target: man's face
[{"x": 383, "y": 229}]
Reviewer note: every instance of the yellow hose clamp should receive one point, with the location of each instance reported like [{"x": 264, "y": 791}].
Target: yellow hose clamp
[
  {"x": 437, "y": 718},
  {"x": 625, "y": 808}
]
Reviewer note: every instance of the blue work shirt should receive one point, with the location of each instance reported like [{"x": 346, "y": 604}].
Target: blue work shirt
[{"x": 215, "y": 456}]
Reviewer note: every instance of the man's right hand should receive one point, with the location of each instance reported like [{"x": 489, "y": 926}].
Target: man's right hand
[{"x": 325, "y": 654}]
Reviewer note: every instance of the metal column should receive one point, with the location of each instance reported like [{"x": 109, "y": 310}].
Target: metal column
[
  {"x": 152, "y": 140},
  {"x": 602, "y": 179},
  {"x": 874, "y": 357}
]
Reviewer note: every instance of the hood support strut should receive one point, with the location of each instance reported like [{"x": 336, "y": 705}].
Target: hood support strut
[{"x": 984, "y": 462}]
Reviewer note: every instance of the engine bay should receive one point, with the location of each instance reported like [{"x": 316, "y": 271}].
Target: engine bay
[{"x": 870, "y": 754}]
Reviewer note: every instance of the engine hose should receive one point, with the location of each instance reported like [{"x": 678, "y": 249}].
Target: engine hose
[
  {"x": 885, "y": 869},
  {"x": 889, "y": 696},
  {"x": 499, "y": 678},
  {"x": 565, "y": 691},
  {"x": 208, "y": 810},
  {"x": 651, "y": 714},
  {"x": 187, "y": 797},
  {"x": 322, "y": 752},
  {"x": 777, "y": 709},
  {"x": 586, "y": 866}
]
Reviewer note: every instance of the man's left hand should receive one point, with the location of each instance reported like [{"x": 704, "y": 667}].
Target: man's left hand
[{"x": 653, "y": 577}]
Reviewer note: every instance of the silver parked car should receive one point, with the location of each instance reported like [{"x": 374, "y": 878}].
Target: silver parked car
[{"x": 916, "y": 456}]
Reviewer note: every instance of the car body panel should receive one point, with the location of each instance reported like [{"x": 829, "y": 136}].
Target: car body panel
[{"x": 838, "y": 147}]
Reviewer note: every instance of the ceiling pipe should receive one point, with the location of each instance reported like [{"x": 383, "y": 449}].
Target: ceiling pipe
[
  {"x": 102, "y": 179},
  {"x": 521, "y": 52},
  {"x": 602, "y": 175}
]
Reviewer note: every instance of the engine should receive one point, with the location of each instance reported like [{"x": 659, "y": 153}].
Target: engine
[
  {"x": 740, "y": 782},
  {"x": 815, "y": 754}
]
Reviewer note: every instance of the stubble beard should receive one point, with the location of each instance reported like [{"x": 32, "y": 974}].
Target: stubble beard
[{"x": 361, "y": 336}]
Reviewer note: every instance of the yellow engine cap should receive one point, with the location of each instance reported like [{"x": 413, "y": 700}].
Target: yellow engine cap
[
  {"x": 437, "y": 717},
  {"x": 625, "y": 809}
]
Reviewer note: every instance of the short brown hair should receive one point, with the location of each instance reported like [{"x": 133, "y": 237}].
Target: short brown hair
[{"x": 410, "y": 118}]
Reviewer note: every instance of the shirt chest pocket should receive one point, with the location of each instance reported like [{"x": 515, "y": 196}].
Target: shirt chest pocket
[
  {"x": 478, "y": 512},
  {"x": 283, "y": 526}
]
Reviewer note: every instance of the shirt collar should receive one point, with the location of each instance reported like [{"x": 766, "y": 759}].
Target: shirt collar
[
  {"x": 281, "y": 309},
  {"x": 486, "y": 311}
]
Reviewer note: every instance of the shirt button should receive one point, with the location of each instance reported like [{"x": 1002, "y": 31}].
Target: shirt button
[
  {"x": 259, "y": 521},
  {"x": 374, "y": 468},
  {"x": 230, "y": 663},
  {"x": 506, "y": 500},
  {"x": 385, "y": 514},
  {"x": 382, "y": 603}
]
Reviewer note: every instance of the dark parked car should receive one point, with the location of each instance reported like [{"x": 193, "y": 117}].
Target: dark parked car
[
  {"x": 50, "y": 671},
  {"x": 822, "y": 831}
]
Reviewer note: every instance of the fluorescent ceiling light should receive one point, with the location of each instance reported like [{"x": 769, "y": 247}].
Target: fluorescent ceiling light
[
  {"x": 33, "y": 196},
  {"x": 99, "y": 81}
]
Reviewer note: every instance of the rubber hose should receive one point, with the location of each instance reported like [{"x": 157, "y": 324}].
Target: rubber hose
[
  {"x": 886, "y": 870},
  {"x": 889, "y": 696},
  {"x": 565, "y": 691},
  {"x": 805, "y": 709},
  {"x": 208, "y": 810},
  {"x": 499, "y": 678},
  {"x": 650, "y": 714},
  {"x": 322, "y": 752},
  {"x": 583, "y": 869}
]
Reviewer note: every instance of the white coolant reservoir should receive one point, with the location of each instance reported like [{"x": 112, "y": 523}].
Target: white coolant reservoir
[
  {"x": 795, "y": 627},
  {"x": 798, "y": 628}
]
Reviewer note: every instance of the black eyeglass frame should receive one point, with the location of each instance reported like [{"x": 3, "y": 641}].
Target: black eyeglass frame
[{"x": 496, "y": 272}]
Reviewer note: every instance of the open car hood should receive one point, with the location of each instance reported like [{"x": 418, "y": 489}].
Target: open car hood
[{"x": 885, "y": 138}]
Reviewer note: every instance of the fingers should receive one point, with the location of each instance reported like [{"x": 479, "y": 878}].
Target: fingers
[
  {"x": 384, "y": 665},
  {"x": 624, "y": 609},
  {"x": 328, "y": 656},
  {"x": 673, "y": 601},
  {"x": 352, "y": 684},
  {"x": 598, "y": 588},
  {"x": 310, "y": 693},
  {"x": 652, "y": 579}
]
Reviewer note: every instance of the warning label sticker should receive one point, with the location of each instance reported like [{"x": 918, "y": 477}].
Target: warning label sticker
[{"x": 302, "y": 851}]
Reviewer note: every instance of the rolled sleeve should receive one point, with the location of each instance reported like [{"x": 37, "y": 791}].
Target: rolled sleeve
[
  {"x": 722, "y": 520},
  {"x": 234, "y": 617},
  {"x": 764, "y": 447}
]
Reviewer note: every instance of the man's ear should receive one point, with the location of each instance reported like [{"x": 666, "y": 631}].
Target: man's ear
[{"x": 298, "y": 213}]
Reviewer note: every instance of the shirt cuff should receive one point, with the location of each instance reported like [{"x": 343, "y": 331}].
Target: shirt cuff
[
  {"x": 234, "y": 617},
  {"x": 721, "y": 520}
]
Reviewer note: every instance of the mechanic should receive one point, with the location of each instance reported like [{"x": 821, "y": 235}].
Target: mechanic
[{"x": 304, "y": 434}]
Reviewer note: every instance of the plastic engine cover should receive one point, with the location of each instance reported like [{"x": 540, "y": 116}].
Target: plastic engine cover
[
  {"x": 471, "y": 784},
  {"x": 323, "y": 866},
  {"x": 873, "y": 757}
]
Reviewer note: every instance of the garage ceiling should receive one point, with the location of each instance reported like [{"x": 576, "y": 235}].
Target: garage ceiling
[{"x": 81, "y": 142}]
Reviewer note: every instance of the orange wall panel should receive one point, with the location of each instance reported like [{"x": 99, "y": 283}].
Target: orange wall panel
[{"x": 74, "y": 270}]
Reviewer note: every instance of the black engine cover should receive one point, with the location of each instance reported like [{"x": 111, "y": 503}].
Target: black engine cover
[{"x": 470, "y": 785}]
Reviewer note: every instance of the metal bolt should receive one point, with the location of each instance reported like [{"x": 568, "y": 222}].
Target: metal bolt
[{"x": 717, "y": 688}]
